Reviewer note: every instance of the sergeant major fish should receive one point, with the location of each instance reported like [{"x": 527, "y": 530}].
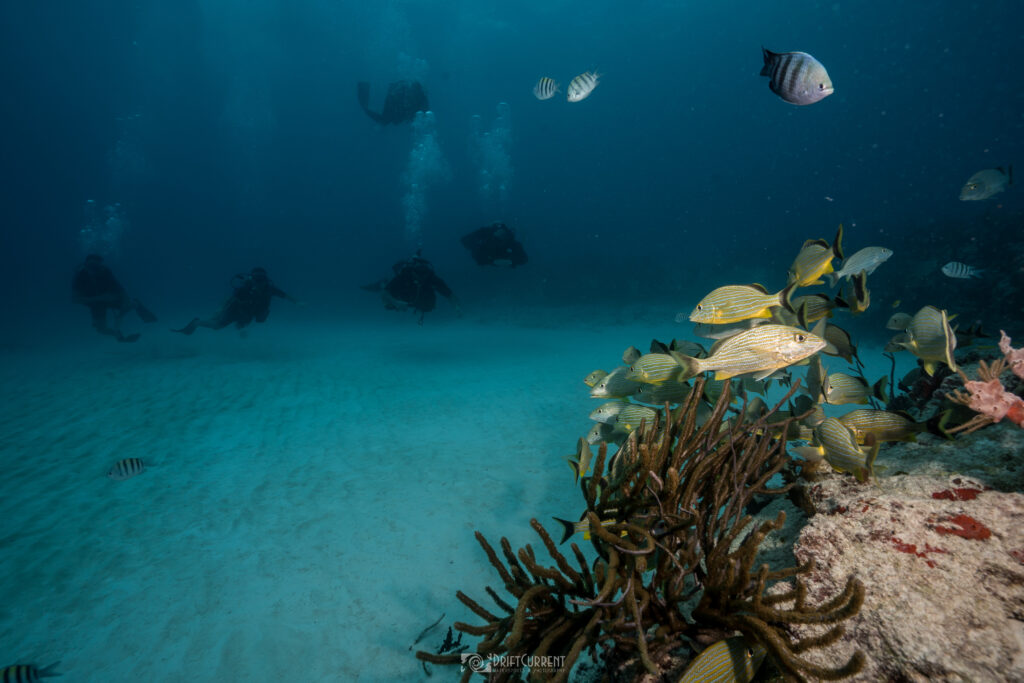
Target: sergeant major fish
[
  {"x": 762, "y": 350},
  {"x": 126, "y": 469},
  {"x": 545, "y": 89},
  {"x": 26, "y": 673},
  {"x": 984, "y": 184},
  {"x": 796, "y": 77},
  {"x": 581, "y": 86},
  {"x": 961, "y": 271}
]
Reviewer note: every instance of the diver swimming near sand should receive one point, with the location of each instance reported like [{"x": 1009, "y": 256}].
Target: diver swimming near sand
[
  {"x": 249, "y": 301},
  {"x": 403, "y": 100},
  {"x": 95, "y": 286}
]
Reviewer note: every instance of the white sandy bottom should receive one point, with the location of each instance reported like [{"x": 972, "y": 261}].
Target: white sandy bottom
[{"x": 309, "y": 500}]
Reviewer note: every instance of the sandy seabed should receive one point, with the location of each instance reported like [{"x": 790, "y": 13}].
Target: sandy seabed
[{"x": 310, "y": 492}]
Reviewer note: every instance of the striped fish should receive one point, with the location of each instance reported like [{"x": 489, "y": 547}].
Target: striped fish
[
  {"x": 796, "y": 77},
  {"x": 840, "y": 389},
  {"x": 26, "y": 673},
  {"x": 653, "y": 368},
  {"x": 631, "y": 417},
  {"x": 815, "y": 260},
  {"x": 984, "y": 184},
  {"x": 709, "y": 331},
  {"x": 728, "y": 661},
  {"x": 837, "y": 444},
  {"x": 883, "y": 424},
  {"x": 762, "y": 350},
  {"x": 126, "y": 469},
  {"x": 733, "y": 303},
  {"x": 961, "y": 271},
  {"x": 545, "y": 88},
  {"x": 930, "y": 338},
  {"x": 608, "y": 411},
  {"x": 582, "y": 526},
  {"x": 581, "y": 86},
  {"x": 615, "y": 385}
]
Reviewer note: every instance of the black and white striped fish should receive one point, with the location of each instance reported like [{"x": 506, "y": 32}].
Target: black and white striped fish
[
  {"x": 581, "y": 86},
  {"x": 26, "y": 673},
  {"x": 545, "y": 88},
  {"x": 961, "y": 271},
  {"x": 796, "y": 77},
  {"x": 126, "y": 469}
]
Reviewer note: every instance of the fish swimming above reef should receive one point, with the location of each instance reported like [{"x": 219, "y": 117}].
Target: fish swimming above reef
[
  {"x": 545, "y": 89},
  {"x": 594, "y": 377},
  {"x": 711, "y": 331},
  {"x": 796, "y": 77},
  {"x": 961, "y": 271},
  {"x": 658, "y": 394},
  {"x": 632, "y": 416},
  {"x": 581, "y": 86},
  {"x": 735, "y": 303},
  {"x": 898, "y": 321},
  {"x": 930, "y": 338},
  {"x": 883, "y": 424},
  {"x": 616, "y": 384},
  {"x": 815, "y": 260},
  {"x": 837, "y": 444},
  {"x": 984, "y": 184},
  {"x": 762, "y": 351},
  {"x": 840, "y": 389},
  {"x": 867, "y": 259},
  {"x": 403, "y": 100},
  {"x": 608, "y": 411},
  {"x": 653, "y": 368},
  {"x": 840, "y": 343},
  {"x": 732, "y": 660},
  {"x": 813, "y": 307}
]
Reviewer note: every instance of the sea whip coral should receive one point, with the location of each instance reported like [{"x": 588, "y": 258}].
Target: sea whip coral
[{"x": 1014, "y": 357}]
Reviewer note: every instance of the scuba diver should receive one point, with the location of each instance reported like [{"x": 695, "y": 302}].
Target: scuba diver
[
  {"x": 413, "y": 286},
  {"x": 96, "y": 287},
  {"x": 249, "y": 301},
  {"x": 403, "y": 100},
  {"x": 495, "y": 245}
]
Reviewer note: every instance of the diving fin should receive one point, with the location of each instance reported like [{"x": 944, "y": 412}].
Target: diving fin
[{"x": 145, "y": 315}]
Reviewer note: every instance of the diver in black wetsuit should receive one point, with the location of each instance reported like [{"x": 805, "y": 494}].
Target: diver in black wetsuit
[
  {"x": 413, "y": 286},
  {"x": 96, "y": 287},
  {"x": 403, "y": 100},
  {"x": 249, "y": 301},
  {"x": 495, "y": 245}
]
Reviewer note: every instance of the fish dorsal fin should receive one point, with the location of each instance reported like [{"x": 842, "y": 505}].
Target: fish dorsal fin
[
  {"x": 819, "y": 243},
  {"x": 759, "y": 287}
]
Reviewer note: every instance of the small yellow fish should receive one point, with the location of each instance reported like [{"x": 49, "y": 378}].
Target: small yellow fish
[
  {"x": 732, "y": 660},
  {"x": 734, "y": 303},
  {"x": 582, "y": 526},
  {"x": 840, "y": 389},
  {"x": 583, "y": 456},
  {"x": 836, "y": 443},
  {"x": 931, "y": 339},
  {"x": 653, "y": 368},
  {"x": 632, "y": 416},
  {"x": 594, "y": 377},
  {"x": 883, "y": 424},
  {"x": 761, "y": 350},
  {"x": 815, "y": 260}
]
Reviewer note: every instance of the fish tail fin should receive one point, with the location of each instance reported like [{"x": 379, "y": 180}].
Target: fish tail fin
[
  {"x": 766, "y": 70},
  {"x": 938, "y": 424},
  {"x": 689, "y": 364},
  {"x": 837, "y": 245},
  {"x": 840, "y": 302},
  {"x": 574, "y": 465},
  {"x": 833, "y": 279},
  {"x": 801, "y": 317},
  {"x": 879, "y": 390},
  {"x": 568, "y": 529},
  {"x": 873, "y": 444},
  {"x": 977, "y": 272},
  {"x": 786, "y": 297}
]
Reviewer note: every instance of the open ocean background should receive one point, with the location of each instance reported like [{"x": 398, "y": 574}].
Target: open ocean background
[{"x": 226, "y": 134}]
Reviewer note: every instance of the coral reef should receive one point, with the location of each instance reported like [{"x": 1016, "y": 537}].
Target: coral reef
[{"x": 676, "y": 560}]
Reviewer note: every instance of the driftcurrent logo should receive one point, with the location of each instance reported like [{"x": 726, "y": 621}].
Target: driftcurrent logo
[{"x": 475, "y": 663}]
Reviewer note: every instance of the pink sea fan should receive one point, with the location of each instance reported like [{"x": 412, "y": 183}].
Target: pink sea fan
[{"x": 1014, "y": 357}]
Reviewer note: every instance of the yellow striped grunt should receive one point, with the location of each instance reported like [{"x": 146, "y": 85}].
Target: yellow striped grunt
[
  {"x": 815, "y": 260},
  {"x": 734, "y": 303},
  {"x": 836, "y": 443},
  {"x": 126, "y": 469},
  {"x": 608, "y": 411},
  {"x": 883, "y": 424},
  {"x": 581, "y": 86},
  {"x": 545, "y": 89},
  {"x": 615, "y": 385},
  {"x": 732, "y": 660},
  {"x": 796, "y": 77},
  {"x": 26, "y": 673},
  {"x": 761, "y": 350},
  {"x": 709, "y": 331},
  {"x": 653, "y": 368},
  {"x": 632, "y": 416},
  {"x": 594, "y": 377},
  {"x": 839, "y": 389},
  {"x": 930, "y": 338}
]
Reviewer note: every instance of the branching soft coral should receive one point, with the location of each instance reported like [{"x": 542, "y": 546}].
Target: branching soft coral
[{"x": 988, "y": 397}]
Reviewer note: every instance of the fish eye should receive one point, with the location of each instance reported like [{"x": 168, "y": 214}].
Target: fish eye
[
  {"x": 821, "y": 86},
  {"x": 699, "y": 307},
  {"x": 801, "y": 338}
]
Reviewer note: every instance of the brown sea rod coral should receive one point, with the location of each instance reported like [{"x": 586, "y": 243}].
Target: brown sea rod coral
[{"x": 675, "y": 559}]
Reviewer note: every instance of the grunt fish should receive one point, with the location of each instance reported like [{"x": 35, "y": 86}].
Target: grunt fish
[
  {"x": 653, "y": 368},
  {"x": 632, "y": 416},
  {"x": 608, "y": 411},
  {"x": 734, "y": 303},
  {"x": 867, "y": 259},
  {"x": 815, "y": 260},
  {"x": 984, "y": 184},
  {"x": 883, "y": 424},
  {"x": 931, "y": 339},
  {"x": 840, "y": 389},
  {"x": 615, "y": 385},
  {"x": 732, "y": 660},
  {"x": 898, "y": 321},
  {"x": 836, "y": 443},
  {"x": 761, "y": 350},
  {"x": 594, "y": 377}
]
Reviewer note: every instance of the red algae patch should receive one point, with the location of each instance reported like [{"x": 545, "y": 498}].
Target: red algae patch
[
  {"x": 956, "y": 494},
  {"x": 966, "y": 527}
]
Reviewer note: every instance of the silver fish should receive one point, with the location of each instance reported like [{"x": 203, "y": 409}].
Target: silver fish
[
  {"x": 126, "y": 469},
  {"x": 796, "y": 77},
  {"x": 615, "y": 384},
  {"x": 608, "y": 411},
  {"x": 545, "y": 89},
  {"x": 867, "y": 259},
  {"x": 898, "y": 321},
  {"x": 984, "y": 184},
  {"x": 581, "y": 86},
  {"x": 961, "y": 271}
]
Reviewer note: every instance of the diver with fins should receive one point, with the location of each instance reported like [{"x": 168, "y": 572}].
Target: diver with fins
[{"x": 403, "y": 100}]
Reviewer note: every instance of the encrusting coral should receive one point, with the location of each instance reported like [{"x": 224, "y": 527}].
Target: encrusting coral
[{"x": 676, "y": 554}]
